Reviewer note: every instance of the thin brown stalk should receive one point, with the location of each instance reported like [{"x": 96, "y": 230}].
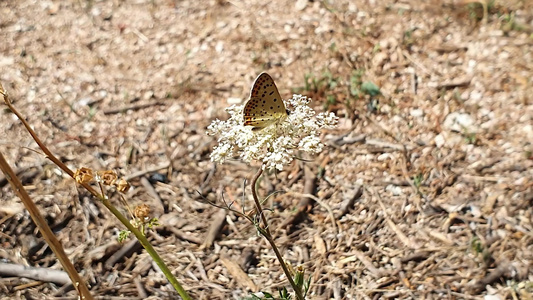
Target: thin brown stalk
[
  {"x": 105, "y": 201},
  {"x": 45, "y": 230}
]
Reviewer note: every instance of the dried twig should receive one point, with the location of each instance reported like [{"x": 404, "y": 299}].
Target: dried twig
[
  {"x": 353, "y": 194},
  {"x": 305, "y": 203},
  {"x": 240, "y": 276},
  {"x": 117, "y": 110},
  {"x": 125, "y": 250},
  {"x": 150, "y": 170},
  {"x": 152, "y": 192},
  {"x": 403, "y": 238},
  {"x": 218, "y": 222},
  {"x": 41, "y": 274}
]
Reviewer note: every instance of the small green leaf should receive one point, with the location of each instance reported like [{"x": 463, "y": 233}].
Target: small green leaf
[
  {"x": 284, "y": 294},
  {"x": 299, "y": 276},
  {"x": 123, "y": 235},
  {"x": 370, "y": 88},
  {"x": 154, "y": 222}
]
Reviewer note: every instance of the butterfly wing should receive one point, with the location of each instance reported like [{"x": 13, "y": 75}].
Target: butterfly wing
[{"x": 265, "y": 106}]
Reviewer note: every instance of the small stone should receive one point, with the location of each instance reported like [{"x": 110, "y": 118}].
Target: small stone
[
  {"x": 460, "y": 122},
  {"x": 300, "y": 4},
  {"x": 439, "y": 141},
  {"x": 234, "y": 100},
  {"x": 417, "y": 113}
]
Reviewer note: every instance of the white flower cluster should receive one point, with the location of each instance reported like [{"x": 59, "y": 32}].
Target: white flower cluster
[{"x": 275, "y": 145}]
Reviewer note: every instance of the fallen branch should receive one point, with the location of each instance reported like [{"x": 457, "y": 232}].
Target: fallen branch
[{"x": 42, "y": 274}]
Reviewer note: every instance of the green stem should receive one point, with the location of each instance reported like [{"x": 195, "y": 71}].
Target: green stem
[
  {"x": 266, "y": 233},
  {"x": 142, "y": 239},
  {"x": 150, "y": 249}
]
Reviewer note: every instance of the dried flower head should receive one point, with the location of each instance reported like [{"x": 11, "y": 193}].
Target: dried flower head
[
  {"x": 122, "y": 185},
  {"x": 107, "y": 177},
  {"x": 83, "y": 175},
  {"x": 275, "y": 145},
  {"x": 142, "y": 212}
]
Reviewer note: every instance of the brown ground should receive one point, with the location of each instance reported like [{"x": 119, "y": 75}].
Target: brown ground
[{"x": 444, "y": 160}]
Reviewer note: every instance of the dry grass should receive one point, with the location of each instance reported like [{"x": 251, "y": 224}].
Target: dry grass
[{"x": 444, "y": 159}]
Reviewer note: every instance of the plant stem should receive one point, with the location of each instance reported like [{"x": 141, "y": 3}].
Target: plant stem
[
  {"x": 266, "y": 233},
  {"x": 150, "y": 249},
  {"x": 142, "y": 239},
  {"x": 45, "y": 230}
]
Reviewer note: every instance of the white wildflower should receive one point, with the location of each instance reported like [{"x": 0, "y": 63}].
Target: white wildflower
[
  {"x": 311, "y": 144},
  {"x": 275, "y": 146}
]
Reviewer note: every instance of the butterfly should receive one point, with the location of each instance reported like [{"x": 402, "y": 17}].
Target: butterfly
[{"x": 265, "y": 106}]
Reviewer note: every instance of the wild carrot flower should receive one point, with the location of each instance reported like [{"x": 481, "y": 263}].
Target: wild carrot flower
[{"x": 275, "y": 145}]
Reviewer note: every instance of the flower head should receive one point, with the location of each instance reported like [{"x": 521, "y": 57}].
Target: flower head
[
  {"x": 274, "y": 145},
  {"x": 84, "y": 175},
  {"x": 108, "y": 177}
]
